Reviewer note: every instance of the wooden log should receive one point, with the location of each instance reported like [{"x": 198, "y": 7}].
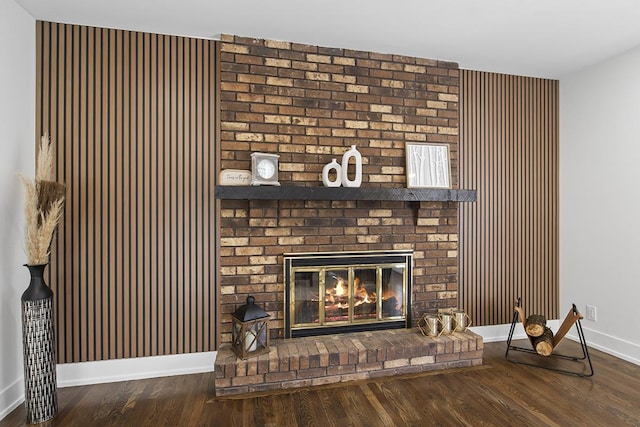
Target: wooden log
[
  {"x": 535, "y": 324},
  {"x": 543, "y": 344}
]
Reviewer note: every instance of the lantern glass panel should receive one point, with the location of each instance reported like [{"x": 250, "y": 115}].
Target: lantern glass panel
[{"x": 250, "y": 338}]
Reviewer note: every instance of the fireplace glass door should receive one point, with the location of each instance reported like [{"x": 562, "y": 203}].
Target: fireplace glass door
[{"x": 365, "y": 294}]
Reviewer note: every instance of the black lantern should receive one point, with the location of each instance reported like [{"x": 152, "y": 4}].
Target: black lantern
[{"x": 250, "y": 330}]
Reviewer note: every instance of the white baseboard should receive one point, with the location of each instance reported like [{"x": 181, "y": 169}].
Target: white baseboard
[
  {"x": 11, "y": 397},
  {"x": 615, "y": 346},
  {"x": 497, "y": 333},
  {"x": 108, "y": 371}
]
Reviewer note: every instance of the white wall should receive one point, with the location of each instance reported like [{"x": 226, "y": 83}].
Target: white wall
[
  {"x": 17, "y": 148},
  {"x": 600, "y": 200}
]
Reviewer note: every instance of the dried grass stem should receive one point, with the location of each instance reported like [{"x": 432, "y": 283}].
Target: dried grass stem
[{"x": 44, "y": 204}]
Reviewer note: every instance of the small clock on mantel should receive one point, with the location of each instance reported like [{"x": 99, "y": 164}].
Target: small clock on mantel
[{"x": 264, "y": 169}]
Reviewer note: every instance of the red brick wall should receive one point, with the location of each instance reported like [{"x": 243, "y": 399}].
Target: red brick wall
[{"x": 310, "y": 104}]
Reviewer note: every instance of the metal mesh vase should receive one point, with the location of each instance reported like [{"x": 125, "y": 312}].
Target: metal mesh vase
[{"x": 38, "y": 343}]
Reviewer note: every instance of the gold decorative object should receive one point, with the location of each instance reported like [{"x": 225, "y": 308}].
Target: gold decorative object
[{"x": 430, "y": 325}]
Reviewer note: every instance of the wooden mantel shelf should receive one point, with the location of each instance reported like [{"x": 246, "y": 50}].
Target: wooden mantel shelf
[{"x": 343, "y": 193}]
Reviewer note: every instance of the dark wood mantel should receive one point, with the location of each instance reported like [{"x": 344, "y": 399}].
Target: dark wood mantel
[{"x": 343, "y": 193}]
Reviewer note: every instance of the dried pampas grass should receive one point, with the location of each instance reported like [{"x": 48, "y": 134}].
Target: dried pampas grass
[
  {"x": 43, "y": 206},
  {"x": 44, "y": 162},
  {"x": 49, "y": 192}
]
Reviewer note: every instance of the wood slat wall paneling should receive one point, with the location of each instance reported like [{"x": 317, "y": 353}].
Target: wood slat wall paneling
[
  {"x": 216, "y": 151},
  {"x": 133, "y": 120},
  {"x": 509, "y": 237}
]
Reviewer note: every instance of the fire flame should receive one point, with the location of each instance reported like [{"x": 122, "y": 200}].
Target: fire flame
[
  {"x": 339, "y": 292},
  {"x": 361, "y": 296},
  {"x": 338, "y": 297}
]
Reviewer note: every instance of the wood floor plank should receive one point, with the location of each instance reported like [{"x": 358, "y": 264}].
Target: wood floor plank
[
  {"x": 383, "y": 417},
  {"x": 495, "y": 394},
  {"x": 403, "y": 403},
  {"x": 333, "y": 408},
  {"x": 344, "y": 395},
  {"x": 308, "y": 410}
]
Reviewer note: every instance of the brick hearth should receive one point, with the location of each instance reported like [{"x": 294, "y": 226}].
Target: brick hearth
[{"x": 309, "y": 361}]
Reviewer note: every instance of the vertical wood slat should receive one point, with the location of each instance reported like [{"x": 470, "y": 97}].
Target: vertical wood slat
[
  {"x": 509, "y": 238},
  {"x": 132, "y": 118},
  {"x": 215, "y": 161}
]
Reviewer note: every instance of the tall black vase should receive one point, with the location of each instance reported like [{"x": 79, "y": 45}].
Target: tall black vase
[{"x": 38, "y": 343}]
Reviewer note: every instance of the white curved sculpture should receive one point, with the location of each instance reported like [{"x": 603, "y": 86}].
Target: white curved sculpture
[
  {"x": 355, "y": 154},
  {"x": 334, "y": 165}
]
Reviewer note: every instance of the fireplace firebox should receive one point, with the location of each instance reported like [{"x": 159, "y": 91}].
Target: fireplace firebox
[{"x": 327, "y": 293}]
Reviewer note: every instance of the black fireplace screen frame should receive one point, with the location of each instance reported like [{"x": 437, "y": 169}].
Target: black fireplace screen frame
[{"x": 294, "y": 261}]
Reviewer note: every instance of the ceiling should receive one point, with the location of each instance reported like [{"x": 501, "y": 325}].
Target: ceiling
[{"x": 541, "y": 38}]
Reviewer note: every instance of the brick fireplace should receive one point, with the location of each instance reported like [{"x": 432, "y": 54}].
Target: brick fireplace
[{"x": 309, "y": 104}]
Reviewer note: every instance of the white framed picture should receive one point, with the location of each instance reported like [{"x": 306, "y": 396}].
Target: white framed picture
[{"x": 428, "y": 165}]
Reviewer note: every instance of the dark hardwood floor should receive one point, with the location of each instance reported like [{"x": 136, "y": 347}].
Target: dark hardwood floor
[{"x": 498, "y": 393}]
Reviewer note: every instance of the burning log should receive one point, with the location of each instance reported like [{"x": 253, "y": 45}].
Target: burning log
[
  {"x": 365, "y": 310},
  {"x": 361, "y": 295},
  {"x": 543, "y": 344},
  {"x": 535, "y": 325}
]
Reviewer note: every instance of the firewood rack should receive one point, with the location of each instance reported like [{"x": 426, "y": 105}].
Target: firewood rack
[{"x": 572, "y": 318}]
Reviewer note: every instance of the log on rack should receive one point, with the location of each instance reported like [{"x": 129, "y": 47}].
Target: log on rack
[
  {"x": 546, "y": 343},
  {"x": 535, "y": 325},
  {"x": 543, "y": 343}
]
